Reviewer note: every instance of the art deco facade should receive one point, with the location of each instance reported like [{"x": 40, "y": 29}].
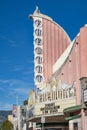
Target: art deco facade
[{"x": 60, "y": 71}]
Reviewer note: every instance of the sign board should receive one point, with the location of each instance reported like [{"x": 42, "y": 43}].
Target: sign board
[
  {"x": 50, "y": 108},
  {"x": 85, "y": 95},
  {"x": 42, "y": 119}
]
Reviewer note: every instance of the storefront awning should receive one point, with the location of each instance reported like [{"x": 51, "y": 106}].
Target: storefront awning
[
  {"x": 72, "y": 109},
  {"x": 73, "y": 117}
]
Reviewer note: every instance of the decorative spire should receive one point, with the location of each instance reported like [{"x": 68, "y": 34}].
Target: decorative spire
[{"x": 37, "y": 10}]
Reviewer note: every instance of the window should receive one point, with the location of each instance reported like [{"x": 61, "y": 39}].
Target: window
[{"x": 75, "y": 125}]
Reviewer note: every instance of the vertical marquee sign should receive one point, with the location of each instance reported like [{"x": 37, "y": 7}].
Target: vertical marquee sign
[
  {"x": 83, "y": 82},
  {"x": 38, "y": 51}
]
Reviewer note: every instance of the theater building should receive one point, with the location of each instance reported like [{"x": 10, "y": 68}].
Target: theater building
[{"x": 60, "y": 76}]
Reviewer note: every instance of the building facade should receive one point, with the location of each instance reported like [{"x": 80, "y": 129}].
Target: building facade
[{"x": 60, "y": 77}]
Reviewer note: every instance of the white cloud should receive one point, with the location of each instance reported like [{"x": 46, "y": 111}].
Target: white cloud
[
  {"x": 12, "y": 88},
  {"x": 17, "y": 68},
  {"x": 15, "y": 86},
  {"x": 32, "y": 61},
  {"x": 28, "y": 71},
  {"x": 3, "y": 37},
  {"x": 22, "y": 91},
  {"x": 4, "y": 61},
  {"x": 5, "y": 106},
  {"x": 4, "y": 81},
  {"x": 1, "y": 88},
  {"x": 10, "y": 42}
]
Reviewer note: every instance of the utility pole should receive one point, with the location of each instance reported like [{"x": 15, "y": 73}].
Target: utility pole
[{"x": 17, "y": 111}]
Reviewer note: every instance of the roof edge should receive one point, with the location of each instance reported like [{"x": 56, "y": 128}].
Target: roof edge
[{"x": 38, "y": 14}]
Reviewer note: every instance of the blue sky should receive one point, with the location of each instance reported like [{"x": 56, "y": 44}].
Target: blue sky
[{"x": 16, "y": 41}]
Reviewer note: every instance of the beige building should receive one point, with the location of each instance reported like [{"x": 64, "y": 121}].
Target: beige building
[{"x": 10, "y": 118}]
